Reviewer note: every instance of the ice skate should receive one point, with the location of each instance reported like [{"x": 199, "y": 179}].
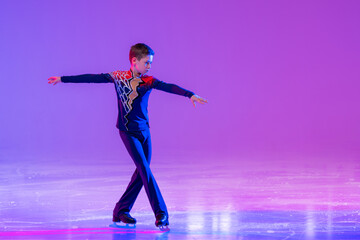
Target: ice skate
[
  {"x": 162, "y": 222},
  {"x": 123, "y": 221}
]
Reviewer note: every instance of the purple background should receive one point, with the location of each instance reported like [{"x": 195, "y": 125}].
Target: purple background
[{"x": 281, "y": 77}]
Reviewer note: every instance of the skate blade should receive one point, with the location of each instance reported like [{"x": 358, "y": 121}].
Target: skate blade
[
  {"x": 164, "y": 228},
  {"x": 122, "y": 225}
]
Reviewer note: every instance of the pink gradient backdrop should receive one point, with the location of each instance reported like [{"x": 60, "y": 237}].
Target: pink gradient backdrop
[{"x": 281, "y": 77}]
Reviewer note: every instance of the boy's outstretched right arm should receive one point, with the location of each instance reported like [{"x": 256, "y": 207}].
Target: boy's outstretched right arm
[{"x": 84, "y": 78}]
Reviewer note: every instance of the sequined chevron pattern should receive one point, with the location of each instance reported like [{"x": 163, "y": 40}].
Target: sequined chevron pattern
[{"x": 126, "y": 86}]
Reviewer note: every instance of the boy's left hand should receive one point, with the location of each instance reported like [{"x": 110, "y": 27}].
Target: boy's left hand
[{"x": 196, "y": 98}]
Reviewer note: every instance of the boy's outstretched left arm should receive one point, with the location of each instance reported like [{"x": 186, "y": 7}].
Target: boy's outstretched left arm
[
  {"x": 175, "y": 89},
  {"x": 195, "y": 98}
]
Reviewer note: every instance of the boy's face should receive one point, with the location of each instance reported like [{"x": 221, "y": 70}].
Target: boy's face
[{"x": 143, "y": 65}]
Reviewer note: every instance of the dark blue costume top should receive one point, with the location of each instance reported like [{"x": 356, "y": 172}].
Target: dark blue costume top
[{"x": 132, "y": 93}]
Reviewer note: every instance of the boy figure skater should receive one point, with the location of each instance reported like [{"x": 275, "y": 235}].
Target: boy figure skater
[{"x": 133, "y": 88}]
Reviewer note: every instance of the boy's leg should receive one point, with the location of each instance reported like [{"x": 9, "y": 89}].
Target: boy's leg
[
  {"x": 127, "y": 200},
  {"x": 138, "y": 145}
]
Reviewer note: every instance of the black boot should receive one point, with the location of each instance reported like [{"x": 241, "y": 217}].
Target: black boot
[
  {"x": 125, "y": 218},
  {"x": 161, "y": 219}
]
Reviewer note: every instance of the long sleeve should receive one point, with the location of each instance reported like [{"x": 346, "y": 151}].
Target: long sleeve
[
  {"x": 171, "y": 88},
  {"x": 88, "y": 78}
]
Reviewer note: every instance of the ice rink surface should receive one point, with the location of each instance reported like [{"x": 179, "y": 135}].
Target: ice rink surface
[{"x": 72, "y": 198}]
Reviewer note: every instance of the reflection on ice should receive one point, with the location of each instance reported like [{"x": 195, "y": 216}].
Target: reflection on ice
[
  {"x": 195, "y": 221},
  {"x": 310, "y": 224},
  {"x": 228, "y": 200}
]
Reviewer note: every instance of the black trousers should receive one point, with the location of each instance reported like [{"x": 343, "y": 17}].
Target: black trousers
[{"x": 138, "y": 144}]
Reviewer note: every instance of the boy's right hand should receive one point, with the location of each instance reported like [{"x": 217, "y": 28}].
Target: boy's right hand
[{"x": 54, "y": 80}]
